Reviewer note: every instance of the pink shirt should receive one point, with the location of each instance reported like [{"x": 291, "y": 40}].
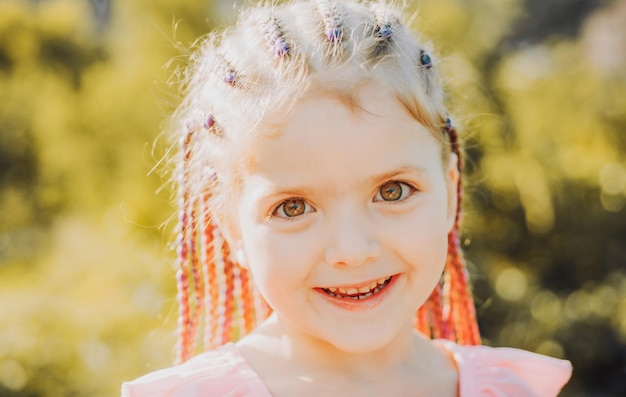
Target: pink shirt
[{"x": 483, "y": 372}]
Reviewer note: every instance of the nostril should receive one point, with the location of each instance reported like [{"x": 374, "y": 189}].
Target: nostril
[{"x": 352, "y": 253}]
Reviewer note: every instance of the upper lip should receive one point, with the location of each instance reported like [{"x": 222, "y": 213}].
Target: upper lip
[{"x": 359, "y": 284}]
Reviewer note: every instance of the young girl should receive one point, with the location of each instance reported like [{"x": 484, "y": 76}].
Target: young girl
[{"x": 319, "y": 192}]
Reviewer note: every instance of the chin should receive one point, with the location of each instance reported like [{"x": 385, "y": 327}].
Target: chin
[{"x": 363, "y": 341}]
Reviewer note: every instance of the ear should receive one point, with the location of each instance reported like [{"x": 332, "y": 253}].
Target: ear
[
  {"x": 240, "y": 255},
  {"x": 230, "y": 230},
  {"x": 452, "y": 183}
]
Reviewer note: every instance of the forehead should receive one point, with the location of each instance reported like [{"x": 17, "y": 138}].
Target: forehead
[{"x": 325, "y": 136}]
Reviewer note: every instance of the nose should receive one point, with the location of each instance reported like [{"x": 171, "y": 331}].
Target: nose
[{"x": 352, "y": 239}]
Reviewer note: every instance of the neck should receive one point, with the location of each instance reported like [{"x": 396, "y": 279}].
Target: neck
[{"x": 316, "y": 355}]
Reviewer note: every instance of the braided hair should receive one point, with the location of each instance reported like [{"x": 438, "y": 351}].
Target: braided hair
[{"x": 237, "y": 78}]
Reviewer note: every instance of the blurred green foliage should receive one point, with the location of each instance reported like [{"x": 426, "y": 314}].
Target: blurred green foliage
[{"x": 86, "y": 286}]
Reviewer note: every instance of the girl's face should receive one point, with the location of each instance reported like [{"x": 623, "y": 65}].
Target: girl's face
[{"x": 343, "y": 218}]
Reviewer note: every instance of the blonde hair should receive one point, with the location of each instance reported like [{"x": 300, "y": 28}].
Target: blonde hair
[{"x": 256, "y": 70}]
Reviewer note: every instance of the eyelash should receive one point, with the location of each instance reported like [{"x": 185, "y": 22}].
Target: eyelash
[{"x": 407, "y": 191}]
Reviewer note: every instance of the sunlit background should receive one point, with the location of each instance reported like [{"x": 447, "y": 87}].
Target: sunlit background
[{"x": 86, "y": 273}]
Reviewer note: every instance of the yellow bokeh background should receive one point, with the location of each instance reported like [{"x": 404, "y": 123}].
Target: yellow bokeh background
[{"x": 87, "y": 293}]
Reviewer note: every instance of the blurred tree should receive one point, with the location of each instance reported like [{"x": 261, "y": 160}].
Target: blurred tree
[
  {"x": 85, "y": 284},
  {"x": 81, "y": 257},
  {"x": 546, "y": 220}
]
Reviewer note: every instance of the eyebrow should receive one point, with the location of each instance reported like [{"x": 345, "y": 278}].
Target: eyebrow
[
  {"x": 304, "y": 190},
  {"x": 406, "y": 169}
]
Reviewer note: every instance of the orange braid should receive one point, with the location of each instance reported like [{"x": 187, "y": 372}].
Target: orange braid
[
  {"x": 229, "y": 299},
  {"x": 464, "y": 312},
  {"x": 195, "y": 271},
  {"x": 247, "y": 302},
  {"x": 238, "y": 304},
  {"x": 219, "y": 292},
  {"x": 463, "y": 304},
  {"x": 447, "y": 325},
  {"x": 182, "y": 277},
  {"x": 449, "y": 311},
  {"x": 183, "y": 317},
  {"x": 453, "y": 288},
  {"x": 211, "y": 288}
]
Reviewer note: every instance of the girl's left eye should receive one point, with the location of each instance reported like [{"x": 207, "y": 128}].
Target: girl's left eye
[
  {"x": 394, "y": 191},
  {"x": 292, "y": 207}
]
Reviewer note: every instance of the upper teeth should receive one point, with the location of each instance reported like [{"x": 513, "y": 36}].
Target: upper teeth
[{"x": 363, "y": 290}]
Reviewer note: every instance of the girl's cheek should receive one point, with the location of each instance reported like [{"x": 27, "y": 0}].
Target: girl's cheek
[{"x": 277, "y": 252}]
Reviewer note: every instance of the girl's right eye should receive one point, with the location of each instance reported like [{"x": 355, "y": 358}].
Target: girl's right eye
[{"x": 292, "y": 208}]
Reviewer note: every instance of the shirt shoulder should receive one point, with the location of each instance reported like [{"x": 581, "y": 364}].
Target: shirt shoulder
[
  {"x": 222, "y": 372},
  {"x": 501, "y": 371}
]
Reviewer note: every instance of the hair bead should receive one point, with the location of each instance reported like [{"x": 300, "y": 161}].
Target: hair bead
[
  {"x": 209, "y": 122},
  {"x": 229, "y": 77},
  {"x": 334, "y": 34},
  {"x": 425, "y": 59},
  {"x": 223, "y": 69},
  {"x": 275, "y": 39},
  {"x": 385, "y": 31},
  {"x": 383, "y": 21},
  {"x": 331, "y": 20}
]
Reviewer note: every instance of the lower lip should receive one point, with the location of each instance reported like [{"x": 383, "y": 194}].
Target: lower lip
[{"x": 359, "y": 304}]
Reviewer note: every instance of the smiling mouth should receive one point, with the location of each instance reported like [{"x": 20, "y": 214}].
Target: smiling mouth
[{"x": 358, "y": 293}]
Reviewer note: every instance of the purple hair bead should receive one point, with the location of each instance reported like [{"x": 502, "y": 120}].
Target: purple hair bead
[
  {"x": 281, "y": 48},
  {"x": 385, "y": 31},
  {"x": 212, "y": 175},
  {"x": 229, "y": 77},
  {"x": 425, "y": 60},
  {"x": 209, "y": 122},
  {"x": 334, "y": 34},
  {"x": 275, "y": 39},
  {"x": 448, "y": 124}
]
